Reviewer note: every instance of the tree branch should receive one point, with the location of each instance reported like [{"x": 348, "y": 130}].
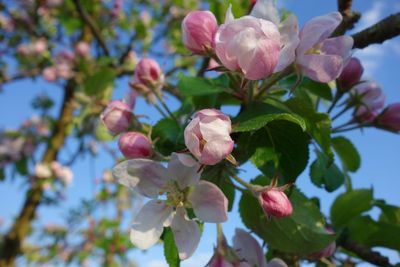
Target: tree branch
[
  {"x": 12, "y": 241},
  {"x": 349, "y": 17},
  {"x": 379, "y": 32},
  {"x": 95, "y": 31}
]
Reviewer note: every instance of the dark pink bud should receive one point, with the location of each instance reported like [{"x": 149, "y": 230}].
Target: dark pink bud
[
  {"x": 148, "y": 72},
  {"x": 198, "y": 31},
  {"x": 135, "y": 145},
  {"x": 390, "y": 118},
  {"x": 350, "y": 75},
  {"x": 117, "y": 117},
  {"x": 275, "y": 203}
]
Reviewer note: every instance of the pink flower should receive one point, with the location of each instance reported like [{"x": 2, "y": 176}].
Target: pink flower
[
  {"x": 82, "y": 49},
  {"x": 135, "y": 145},
  {"x": 275, "y": 203},
  {"x": 42, "y": 171},
  {"x": 117, "y": 117},
  {"x": 50, "y": 74},
  {"x": 248, "y": 44},
  {"x": 130, "y": 99},
  {"x": 207, "y": 136},
  {"x": 148, "y": 72},
  {"x": 322, "y": 58},
  {"x": 369, "y": 100},
  {"x": 183, "y": 188},
  {"x": 390, "y": 118},
  {"x": 40, "y": 46},
  {"x": 350, "y": 75},
  {"x": 198, "y": 31}
]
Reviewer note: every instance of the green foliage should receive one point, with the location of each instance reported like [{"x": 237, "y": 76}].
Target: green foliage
[
  {"x": 302, "y": 232},
  {"x": 326, "y": 174},
  {"x": 170, "y": 249},
  {"x": 195, "y": 86},
  {"x": 347, "y": 153},
  {"x": 99, "y": 82},
  {"x": 102, "y": 134},
  {"x": 169, "y": 136}
]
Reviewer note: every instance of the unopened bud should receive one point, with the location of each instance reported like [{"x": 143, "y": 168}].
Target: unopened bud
[
  {"x": 275, "y": 203},
  {"x": 350, "y": 75},
  {"x": 134, "y": 145},
  {"x": 117, "y": 117}
]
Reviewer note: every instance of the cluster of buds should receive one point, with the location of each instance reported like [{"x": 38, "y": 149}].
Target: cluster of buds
[
  {"x": 34, "y": 49},
  {"x": 55, "y": 169}
]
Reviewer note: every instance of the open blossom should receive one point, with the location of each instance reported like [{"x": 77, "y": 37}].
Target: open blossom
[
  {"x": 250, "y": 45},
  {"x": 275, "y": 203},
  {"x": 390, "y": 118},
  {"x": 135, "y": 145},
  {"x": 198, "y": 31},
  {"x": 42, "y": 171},
  {"x": 207, "y": 136},
  {"x": 181, "y": 184},
  {"x": 369, "y": 100},
  {"x": 350, "y": 75},
  {"x": 322, "y": 58},
  {"x": 117, "y": 117}
]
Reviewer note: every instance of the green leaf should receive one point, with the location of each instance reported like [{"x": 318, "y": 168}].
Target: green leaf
[
  {"x": 349, "y": 205},
  {"x": 347, "y": 153},
  {"x": 326, "y": 174},
  {"x": 196, "y": 86},
  {"x": 257, "y": 115},
  {"x": 266, "y": 160},
  {"x": 102, "y": 133},
  {"x": 303, "y": 232},
  {"x": 98, "y": 82},
  {"x": 319, "y": 89},
  {"x": 170, "y": 249},
  {"x": 390, "y": 213},
  {"x": 22, "y": 166},
  {"x": 170, "y": 136}
]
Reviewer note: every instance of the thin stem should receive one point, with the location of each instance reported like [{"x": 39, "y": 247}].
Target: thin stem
[
  {"x": 340, "y": 113},
  {"x": 220, "y": 234},
  {"x": 161, "y": 111},
  {"x": 273, "y": 80},
  {"x": 350, "y": 122},
  {"x": 358, "y": 126},
  {"x": 242, "y": 182},
  {"x": 334, "y": 102},
  {"x": 163, "y": 104}
]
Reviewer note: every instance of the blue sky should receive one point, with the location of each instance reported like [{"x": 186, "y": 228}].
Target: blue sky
[{"x": 380, "y": 161}]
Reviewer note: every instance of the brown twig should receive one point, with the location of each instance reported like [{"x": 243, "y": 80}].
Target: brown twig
[
  {"x": 379, "y": 32},
  {"x": 349, "y": 17}
]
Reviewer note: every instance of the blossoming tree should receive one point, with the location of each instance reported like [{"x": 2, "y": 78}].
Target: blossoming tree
[{"x": 287, "y": 85}]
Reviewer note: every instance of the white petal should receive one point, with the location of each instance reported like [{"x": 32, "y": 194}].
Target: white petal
[
  {"x": 184, "y": 169},
  {"x": 248, "y": 248},
  {"x": 266, "y": 9},
  {"x": 229, "y": 16},
  {"x": 209, "y": 203},
  {"x": 276, "y": 262},
  {"x": 147, "y": 226}
]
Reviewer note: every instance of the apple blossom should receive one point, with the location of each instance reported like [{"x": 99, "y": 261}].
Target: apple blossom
[
  {"x": 351, "y": 74},
  {"x": 82, "y": 49},
  {"x": 319, "y": 57},
  {"x": 130, "y": 99},
  {"x": 42, "y": 171},
  {"x": 181, "y": 184},
  {"x": 390, "y": 118},
  {"x": 50, "y": 74},
  {"x": 249, "y": 45},
  {"x": 117, "y": 117},
  {"x": 275, "y": 203},
  {"x": 207, "y": 136},
  {"x": 369, "y": 99},
  {"x": 198, "y": 31},
  {"x": 134, "y": 145}
]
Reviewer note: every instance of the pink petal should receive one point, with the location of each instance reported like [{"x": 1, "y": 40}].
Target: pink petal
[
  {"x": 147, "y": 176},
  {"x": 209, "y": 203},
  {"x": 266, "y": 9},
  {"x": 321, "y": 68},
  {"x": 248, "y": 248},
  {"x": 186, "y": 234},
  {"x": 216, "y": 150},
  {"x": 148, "y": 224},
  {"x": 214, "y": 128},
  {"x": 276, "y": 262},
  {"x": 289, "y": 42},
  {"x": 184, "y": 169},
  {"x": 340, "y": 46},
  {"x": 229, "y": 15}
]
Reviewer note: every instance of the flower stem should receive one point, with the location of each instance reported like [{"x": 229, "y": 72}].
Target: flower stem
[
  {"x": 242, "y": 182},
  {"x": 273, "y": 80}
]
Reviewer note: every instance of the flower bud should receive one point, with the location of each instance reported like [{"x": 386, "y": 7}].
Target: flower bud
[
  {"x": 327, "y": 251},
  {"x": 369, "y": 99},
  {"x": 50, "y": 74},
  {"x": 134, "y": 145},
  {"x": 148, "y": 72},
  {"x": 82, "y": 49},
  {"x": 198, "y": 31},
  {"x": 275, "y": 203},
  {"x": 351, "y": 74},
  {"x": 117, "y": 117},
  {"x": 207, "y": 136},
  {"x": 390, "y": 118}
]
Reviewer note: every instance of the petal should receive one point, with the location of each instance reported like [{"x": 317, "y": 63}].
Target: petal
[
  {"x": 321, "y": 68},
  {"x": 229, "y": 15},
  {"x": 148, "y": 224},
  {"x": 209, "y": 203},
  {"x": 216, "y": 150},
  {"x": 147, "y": 176},
  {"x": 186, "y": 234},
  {"x": 289, "y": 42},
  {"x": 266, "y": 9},
  {"x": 340, "y": 46},
  {"x": 276, "y": 262},
  {"x": 248, "y": 248},
  {"x": 214, "y": 128},
  {"x": 184, "y": 169},
  {"x": 317, "y": 30}
]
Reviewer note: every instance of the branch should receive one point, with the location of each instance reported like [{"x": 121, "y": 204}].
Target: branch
[
  {"x": 349, "y": 17},
  {"x": 127, "y": 50},
  {"x": 12, "y": 241},
  {"x": 366, "y": 254},
  {"x": 379, "y": 32},
  {"x": 95, "y": 31}
]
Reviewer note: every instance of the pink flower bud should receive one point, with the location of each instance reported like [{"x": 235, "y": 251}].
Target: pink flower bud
[
  {"x": 82, "y": 49},
  {"x": 207, "y": 136},
  {"x": 148, "y": 72},
  {"x": 275, "y": 203},
  {"x": 130, "y": 98},
  {"x": 198, "y": 31},
  {"x": 134, "y": 145},
  {"x": 369, "y": 99},
  {"x": 50, "y": 74},
  {"x": 327, "y": 251},
  {"x": 248, "y": 44},
  {"x": 350, "y": 75},
  {"x": 40, "y": 46},
  {"x": 117, "y": 117},
  {"x": 390, "y": 118}
]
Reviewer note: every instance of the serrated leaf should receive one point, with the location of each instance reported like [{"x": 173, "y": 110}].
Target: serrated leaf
[
  {"x": 169, "y": 135},
  {"x": 326, "y": 174},
  {"x": 196, "y": 86},
  {"x": 170, "y": 249},
  {"x": 349, "y": 205},
  {"x": 347, "y": 153},
  {"x": 98, "y": 82},
  {"x": 303, "y": 232}
]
